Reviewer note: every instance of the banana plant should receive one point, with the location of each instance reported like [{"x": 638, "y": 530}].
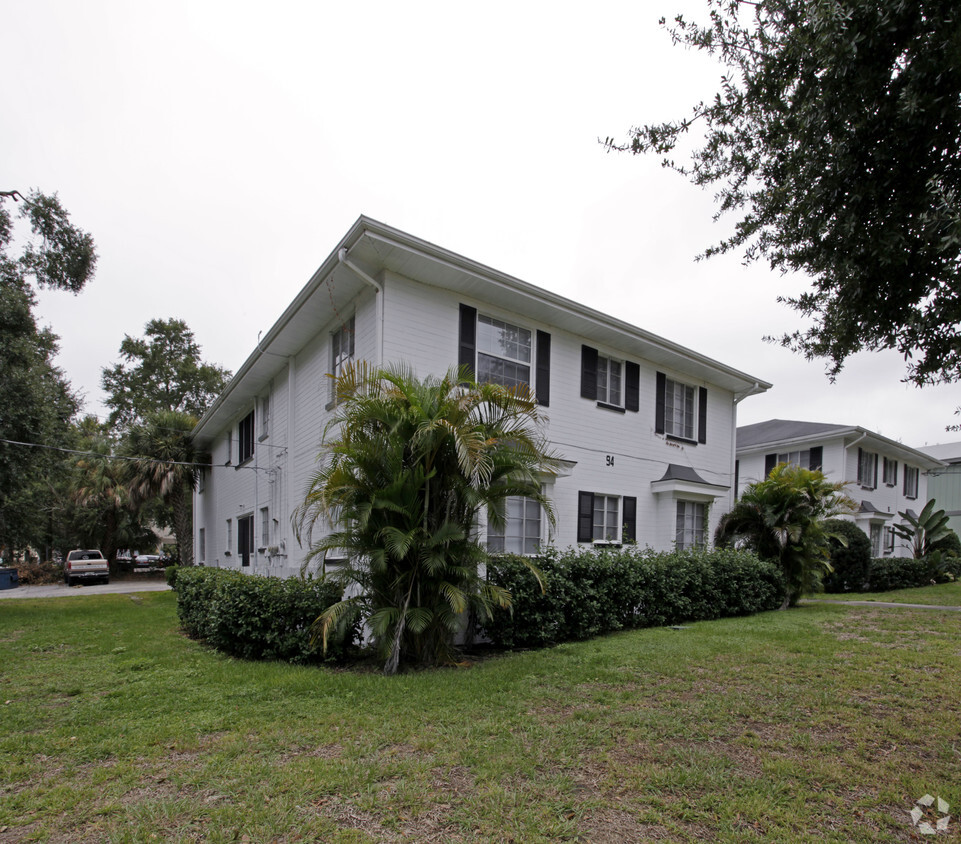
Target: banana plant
[{"x": 922, "y": 532}]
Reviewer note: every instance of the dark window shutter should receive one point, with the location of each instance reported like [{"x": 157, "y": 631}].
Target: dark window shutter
[
  {"x": 875, "y": 484},
  {"x": 817, "y": 456},
  {"x": 632, "y": 386},
  {"x": 588, "y": 373},
  {"x": 585, "y": 516},
  {"x": 770, "y": 461},
  {"x": 630, "y": 519},
  {"x": 543, "y": 368},
  {"x": 737, "y": 477},
  {"x": 661, "y": 389},
  {"x": 861, "y": 478},
  {"x": 468, "y": 338},
  {"x": 702, "y": 415}
]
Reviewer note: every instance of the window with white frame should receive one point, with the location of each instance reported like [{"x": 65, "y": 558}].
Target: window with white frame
[
  {"x": 503, "y": 353},
  {"x": 264, "y": 416},
  {"x": 521, "y": 533},
  {"x": 264, "y": 527},
  {"x": 609, "y": 381},
  {"x": 801, "y": 459},
  {"x": 202, "y": 545},
  {"x": 867, "y": 469},
  {"x": 690, "y": 527},
  {"x": 889, "y": 474},
  {"x": 680, "y": 409},
  {"x": 606, "y": 521},
  {"x": 877, "y": 531},
  {"x": 889, "y": 540},
  {"x": 245, "y": 438},
  {"x": 341, "y": 348},
  {"x": 911, "y": 474}
]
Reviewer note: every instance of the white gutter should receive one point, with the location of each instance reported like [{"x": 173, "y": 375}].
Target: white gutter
[{"x": 379, "y": 306}]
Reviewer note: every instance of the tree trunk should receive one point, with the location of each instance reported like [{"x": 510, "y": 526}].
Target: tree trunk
[{"x": 183, "y": 524}]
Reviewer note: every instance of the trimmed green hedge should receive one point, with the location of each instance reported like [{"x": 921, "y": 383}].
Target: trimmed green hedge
[
  {"x": 254, "y": 617},
  {"x": 889, "y": 573},
  {"x": 590, "y": 592},
  {"x": 851, "y": 563}
]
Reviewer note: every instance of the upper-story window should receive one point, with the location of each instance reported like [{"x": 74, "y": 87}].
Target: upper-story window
[
  {"x": 867, "y": 469},
  {"x": 680, "y": 410},
  {"x": 801, "y": 459},
  {"x": 341, "y": 347},
  {"x": 503, "y": 353},
  {"x": 264, "y": 416},
  {"x": 245, "y": 438},
  {"x": 890, "y": 472},
  {"x": 911, "y": 474},
  {"x": 609, "y": 381},
  {"x": 498, "y": 352}
]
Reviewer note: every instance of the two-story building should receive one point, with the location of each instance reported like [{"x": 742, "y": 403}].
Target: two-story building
[
  {"x": 644, "y": 426},
  {"x": 883, "y": 476}
]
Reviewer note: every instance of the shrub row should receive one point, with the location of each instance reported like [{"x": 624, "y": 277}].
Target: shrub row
[
  {"x": 254, "y": 617},
  {"x": 889, "y": 573},
  {"x": 590, "y": 592}
]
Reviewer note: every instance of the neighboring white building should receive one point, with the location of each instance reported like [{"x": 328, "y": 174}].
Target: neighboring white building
[
  {"x": 645, "y": 427},
  {"x": 944, "y": 484},
  {"x": 884, "y": 477}
]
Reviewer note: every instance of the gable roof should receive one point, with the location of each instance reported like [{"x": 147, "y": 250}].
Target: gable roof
[
  {"x": 374, "y": 247},
  {"x": 781, "y": 433}
]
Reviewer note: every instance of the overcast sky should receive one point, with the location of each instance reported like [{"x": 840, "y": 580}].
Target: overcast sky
[{"x": 218, "y": 151}]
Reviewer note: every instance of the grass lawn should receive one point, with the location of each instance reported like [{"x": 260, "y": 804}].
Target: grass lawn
[
  {"x": 944, "y": 594},
  {"x": 823, "y": 723}
]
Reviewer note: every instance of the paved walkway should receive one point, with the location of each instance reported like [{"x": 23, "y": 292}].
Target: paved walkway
[
  {"x": 884, "y": 604},
  {"x": 61, "y": 590}
]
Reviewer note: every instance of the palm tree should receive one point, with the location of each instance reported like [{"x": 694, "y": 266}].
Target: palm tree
[
  {"x": 781, "y": 519},
  {"x": 409, "y": 465},
  {"x": 164, "y": 466}
]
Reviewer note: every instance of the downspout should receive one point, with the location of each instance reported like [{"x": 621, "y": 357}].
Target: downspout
[
  {"x": 379, "y": 306},
  {"x": 287, "y": 548}
]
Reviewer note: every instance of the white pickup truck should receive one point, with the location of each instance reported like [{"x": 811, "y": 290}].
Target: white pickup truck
[{"x": 85, "y": 565}]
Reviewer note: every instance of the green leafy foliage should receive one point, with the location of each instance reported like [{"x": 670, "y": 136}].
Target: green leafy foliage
[
  {"x": 921, "y": 532},
  {"x": 588, "y": 593},
  {"x": 782, "y": 519},
  {"x": 409, "y": 464},
  {"x": 36, "y": 402},
  {"x": 163, "y": 467},
  {"x": 836, "y": 135},
  {"x": 255, "y": 617},
  {"x": 161, "y": 371},
  {"x": 851, "y": 563}
]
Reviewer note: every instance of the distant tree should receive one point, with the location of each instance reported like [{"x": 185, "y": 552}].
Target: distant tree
[
  {"x": 836, "y": 138},
  {"x": 163, "y": 466},
  {"x": 411, "y": 464},
  {"x": 782, "y": 519},
  {"x": 36, "y": 402},
  {"x": 160, "y": 372}
]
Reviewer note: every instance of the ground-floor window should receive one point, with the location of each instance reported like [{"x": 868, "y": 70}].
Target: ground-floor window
[
  {"x": 245, "y": 539},
  {"x": 876, "y": 533},
  {"x": 690, "y": 524},
  {"x": 521, "y": 533}
]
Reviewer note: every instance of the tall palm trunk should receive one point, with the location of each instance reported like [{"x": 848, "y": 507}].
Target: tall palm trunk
[{"x": 183, "y": 524}]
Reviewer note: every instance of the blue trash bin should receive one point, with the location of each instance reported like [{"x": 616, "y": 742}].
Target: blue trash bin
[{"x": 9, "y": 578}]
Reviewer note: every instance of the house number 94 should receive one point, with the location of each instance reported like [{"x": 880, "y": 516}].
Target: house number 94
[{"x": 610, "y": 460}]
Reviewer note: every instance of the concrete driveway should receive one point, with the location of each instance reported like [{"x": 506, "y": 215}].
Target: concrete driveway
[{"x": 61, "y": 590}]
